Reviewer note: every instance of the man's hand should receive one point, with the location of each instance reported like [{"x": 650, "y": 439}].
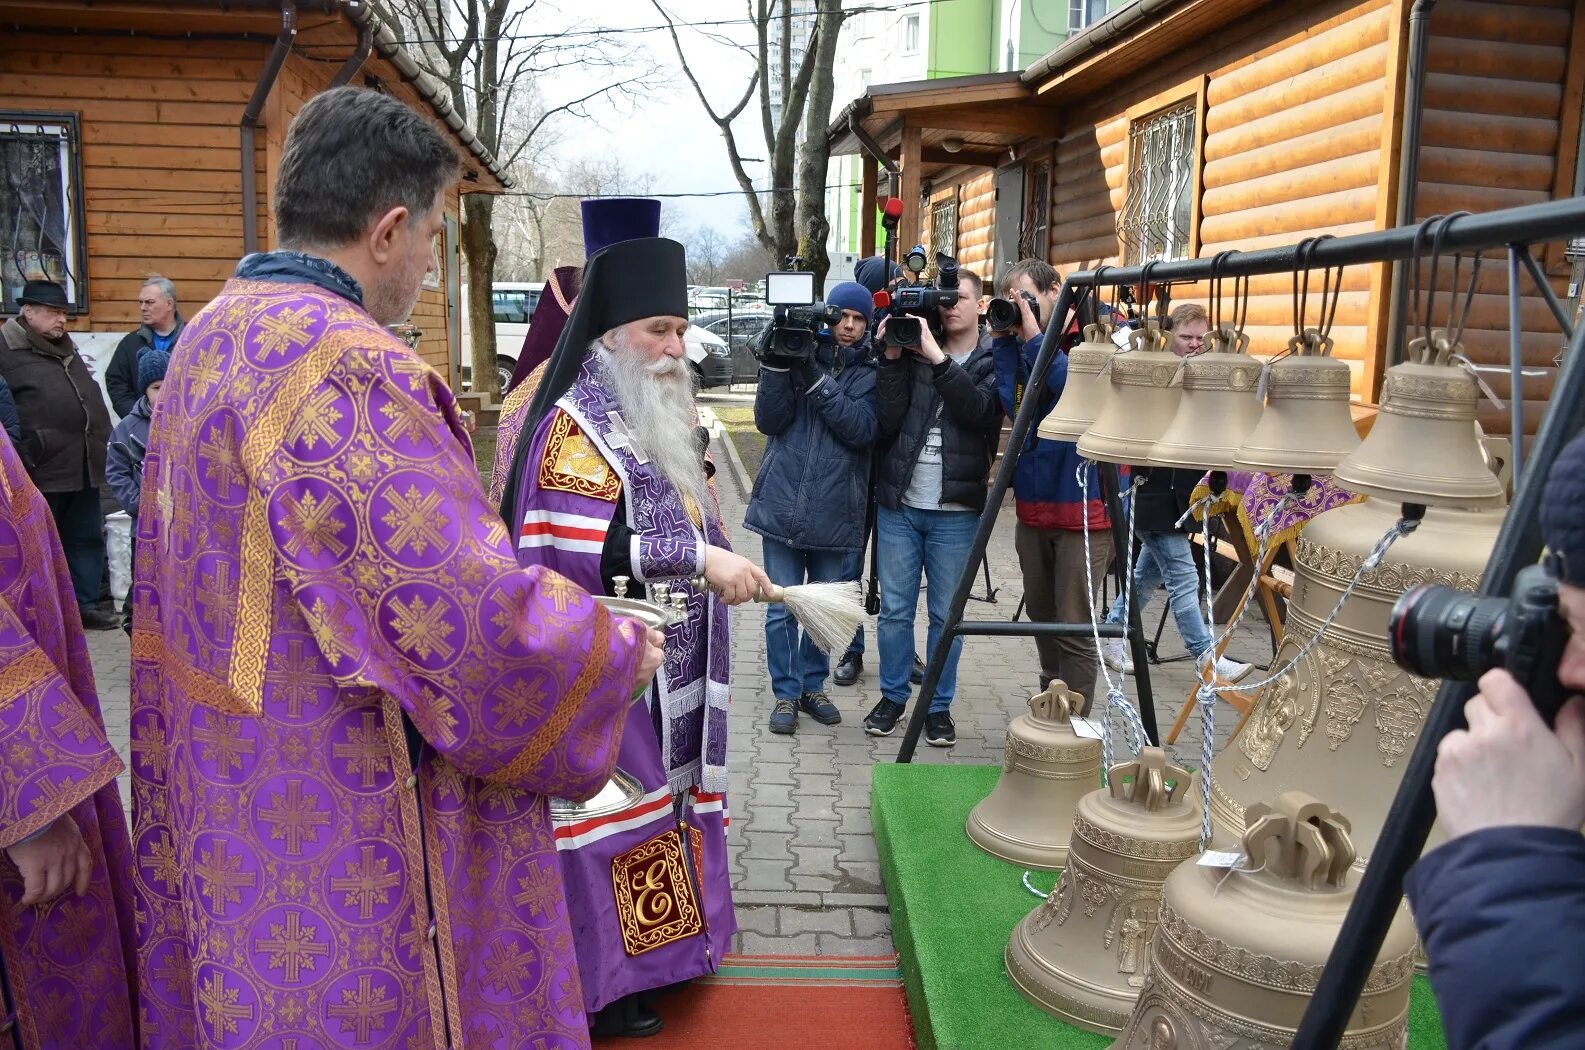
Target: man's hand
[
  {"x": 892, "y": 352},
  {"x": 54, "y": 862},
  {"x": 649, "y": 663},
  {"x": 1508, "y": 769},
  {"x": 733, "y": 577},
  {"x": 928, "y": 348},
  {"x": 1028, "y": 327}
]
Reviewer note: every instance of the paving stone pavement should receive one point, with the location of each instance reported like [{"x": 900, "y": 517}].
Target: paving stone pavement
[{"x": 805, "y": 870}]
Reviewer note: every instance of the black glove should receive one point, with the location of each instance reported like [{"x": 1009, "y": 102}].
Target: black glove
[
  {"x": 779, "y": 362},
  {"x": 806, "y": 373}
]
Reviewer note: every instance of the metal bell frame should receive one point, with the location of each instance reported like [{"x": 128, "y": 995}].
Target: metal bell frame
[{"x": 1518, "y": 542}]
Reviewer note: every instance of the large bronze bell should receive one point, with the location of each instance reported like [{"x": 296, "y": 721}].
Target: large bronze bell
[
  {"x": 1028, "y": 817},
  {"x": 1085, "y": 388},
  {"x": 1219, "y": 409},
  {"x": 1341, "y": 724},
  {"x": 1081, "y": 954},
  {"x": 1237, "y": 954},
  {"x": 1428, "y": 405},
  {"x": 1307, "y": 426},
  {"x": 1143, "y": 401}
]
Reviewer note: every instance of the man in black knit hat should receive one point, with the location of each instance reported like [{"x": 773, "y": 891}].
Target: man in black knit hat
[{"x": 1501, "y": 906}]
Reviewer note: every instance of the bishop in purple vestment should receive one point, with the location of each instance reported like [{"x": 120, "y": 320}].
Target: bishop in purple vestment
[
  {"x": 350, "y": 703},
  {"x": 611, "y": 483},
  {"x": 66, "y": 927}
]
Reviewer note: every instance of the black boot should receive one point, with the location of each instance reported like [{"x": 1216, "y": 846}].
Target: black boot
[
  {"x": 848, "y": 669},
  {"x": 628, "y": 1016}
]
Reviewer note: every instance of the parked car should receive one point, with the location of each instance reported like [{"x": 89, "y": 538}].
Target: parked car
[{"x": 740, "y": 328}]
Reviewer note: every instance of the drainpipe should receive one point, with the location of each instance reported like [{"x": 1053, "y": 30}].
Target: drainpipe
[
  {"x": 360, "y": 55},
  {"x": 250, "y": 123},
  {"x": 1408, "y": 168}
]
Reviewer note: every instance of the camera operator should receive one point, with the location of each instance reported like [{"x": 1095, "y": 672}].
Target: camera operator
[
  {"x": 939, "y": 421},
  {"x": 1049, "y": 503},
  {"x": 812, "y": 490},
  {"x": 1501, "y": 906}
]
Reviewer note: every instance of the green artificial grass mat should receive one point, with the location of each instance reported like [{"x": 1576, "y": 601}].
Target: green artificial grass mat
[{"x": 954, "y": 907}]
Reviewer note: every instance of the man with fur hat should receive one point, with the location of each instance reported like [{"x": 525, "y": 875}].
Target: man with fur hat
[
  {"x": 1509, "y": 884},
  {"x": 812, "y": 494},
  {"x": 608, "y": 486},
  {"x": 65, "y": 427}
]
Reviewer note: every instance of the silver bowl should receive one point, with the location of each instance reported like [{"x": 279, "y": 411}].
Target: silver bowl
[{"x": 620, "y": 792}]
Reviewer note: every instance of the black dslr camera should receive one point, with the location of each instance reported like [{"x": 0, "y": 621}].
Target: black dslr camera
[
  {"x": 1441, "y": 632},
  {"x": 799, "y": 317},
  {"x": 1002, "y": 314},
  {"x": 914, "y": 306}
]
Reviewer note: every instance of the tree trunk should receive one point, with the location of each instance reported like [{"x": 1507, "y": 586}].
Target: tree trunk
[
  {"x": 812, "y": 225},
  {"x": 478, "y": 247}
]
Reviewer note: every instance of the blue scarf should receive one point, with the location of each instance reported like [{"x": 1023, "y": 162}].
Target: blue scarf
[{"x": 300, "y": 268}]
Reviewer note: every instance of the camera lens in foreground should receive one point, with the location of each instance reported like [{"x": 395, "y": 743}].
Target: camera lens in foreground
[{"x": 1442, "y": 632}]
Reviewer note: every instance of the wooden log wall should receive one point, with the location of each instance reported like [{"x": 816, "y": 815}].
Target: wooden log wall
[
  {"x": 160, "y": 139},
  {"x": 1291, "y": 147},
  {"x": 1501, "y": 83},
  {"x": 977, "y": 223}
]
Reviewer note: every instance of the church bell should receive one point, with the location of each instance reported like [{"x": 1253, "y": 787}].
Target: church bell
[
  {"x": 1306, "y": 427},
  {"x": 1423, "y": 446},
  {"x": 1142, "y": 403},
  {"x": 1085, "y": 388},
  {"x": 1219, "y": 408},
  {"x": 1341, "y": 724},
  {"x": 1028, "y": 817},
  {"x": 1081, "y": 954},
  {"x": 1237, "y": 953}
]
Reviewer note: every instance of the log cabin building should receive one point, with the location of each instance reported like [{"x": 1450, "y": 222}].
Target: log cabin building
[
  {"x": 1180, "y": 128},
  {"x": 140, "y": 136}
]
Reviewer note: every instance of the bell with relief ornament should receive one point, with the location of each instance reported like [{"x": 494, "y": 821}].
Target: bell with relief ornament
[
  {"x": 1341, "y": 724},
  {"x": 1423, "y": 446},
  {"x": 1081, "y": 954},
  {"x": 1237, "y": 954},
  {"x": 1028, "y": 817},
  {"x": 1085, "y": 389},
  {"x": 1306, "y": 427},
  {"x": 1220, "y": 406},
  {"x": 1144, "y": 400}
]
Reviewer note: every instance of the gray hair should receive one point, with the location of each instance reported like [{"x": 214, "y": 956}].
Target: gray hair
[
  {"x": 351, "y": 155},
  {"x": 163, "y": 283}
]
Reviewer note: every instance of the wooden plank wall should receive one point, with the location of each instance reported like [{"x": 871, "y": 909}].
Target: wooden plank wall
[
  {"x": 160, "y": 141},
  {"x": 977, "y": 224},
  {"x": 1495, "y": 99},
  {"x": 1291, "y": 148}
]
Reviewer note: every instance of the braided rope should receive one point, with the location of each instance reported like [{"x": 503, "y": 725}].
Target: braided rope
[{"x": 1117, "y": 705}]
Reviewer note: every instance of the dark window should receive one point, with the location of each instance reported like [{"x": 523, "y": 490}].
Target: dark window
[
  {"x": 41, "y": 211},
  {"x": 944, "y": 227},
  {"x": 1037, "y": 213},
  {"x": 512, "y": 307},
  {"x": 1156, "y": 215}
]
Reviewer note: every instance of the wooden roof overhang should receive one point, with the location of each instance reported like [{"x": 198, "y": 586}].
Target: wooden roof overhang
[{"x": 261, "y": 20}]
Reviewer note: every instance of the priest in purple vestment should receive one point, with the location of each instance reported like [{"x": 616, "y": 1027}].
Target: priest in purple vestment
[
  {"x": 610, "y": 483},
  {"x": 350, "y": 704},
  {"x": 66, "y": 926}
]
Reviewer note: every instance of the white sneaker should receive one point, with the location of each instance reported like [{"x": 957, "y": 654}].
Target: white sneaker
[
  {"x": 1116, "y": 656},
  {"x": 1231, "y": 670}
]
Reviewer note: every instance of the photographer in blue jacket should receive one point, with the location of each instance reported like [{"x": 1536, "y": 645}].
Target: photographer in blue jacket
[{"x": 812, "y": 490}]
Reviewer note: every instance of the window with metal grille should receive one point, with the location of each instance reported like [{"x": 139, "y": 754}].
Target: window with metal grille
[
  {"x": 1156, "y": 215},
  {"x": 944, "y": 227},
  {"x": 1037, "y": 214},
  {"x": 41, "y": 206}
]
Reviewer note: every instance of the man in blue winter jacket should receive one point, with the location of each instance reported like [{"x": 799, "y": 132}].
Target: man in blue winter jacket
[
  {"x": 812, "y": 490},
  {"x": 1501, "y": 906}
]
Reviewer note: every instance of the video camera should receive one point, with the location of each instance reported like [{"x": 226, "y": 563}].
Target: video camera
[
  {"x": 914, "y": 306},
  {"x": 1442, "y": 632},
  {"x": 799, "y": 317}
]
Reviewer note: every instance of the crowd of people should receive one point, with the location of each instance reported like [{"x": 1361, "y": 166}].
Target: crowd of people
[{"x": 413, "y": 767}]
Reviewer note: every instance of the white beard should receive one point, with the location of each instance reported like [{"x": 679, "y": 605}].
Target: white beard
[{"x": 656, "y": 400}]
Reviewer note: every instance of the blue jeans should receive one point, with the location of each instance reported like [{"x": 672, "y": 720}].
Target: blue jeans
[
  {"x": 854, "y": 570},
  {"x": 1168, "y": 557},
  {"x": 80, "y": 523},
  {"x": 910, "y": 539},
  {"x": 797, "y": 666}
]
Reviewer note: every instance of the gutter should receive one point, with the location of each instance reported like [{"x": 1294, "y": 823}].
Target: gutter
[
  {"x": 1408, "y": 169},
  {"x": 250, "y": 122},
  {"x": 355, "y": 61},
  {"x": 1113, "y": 27}
]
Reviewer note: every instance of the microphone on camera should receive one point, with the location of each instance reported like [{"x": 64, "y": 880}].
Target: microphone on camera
[{"x": 892, "y": 212}]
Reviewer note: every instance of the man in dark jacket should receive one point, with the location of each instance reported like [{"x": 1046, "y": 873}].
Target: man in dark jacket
[
  {"x": 1501, "y": 905},
  {"x": 66, "y": 427},
  {"x": 939, "y": 421},
  {"x": 10, "y": 420},
  {"x": 812, "y": 490},
  {"x": 161, "y": 326}
]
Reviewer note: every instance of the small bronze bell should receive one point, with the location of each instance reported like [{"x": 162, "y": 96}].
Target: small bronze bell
[
  {"x": 1144, "y": 400},
  {"x": 1219, "y": 409},
  {"x": 1085, "y": 390},
  {"x": 1423, "y": 446},
  {"x": 1306, "y": 427},
  {"x": 1028, "y": 817},
  {"x": 1237, "y": 954},
  {"x": 1081, "y": 954}
]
